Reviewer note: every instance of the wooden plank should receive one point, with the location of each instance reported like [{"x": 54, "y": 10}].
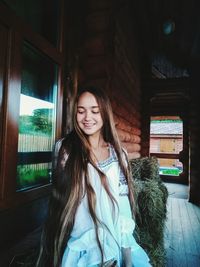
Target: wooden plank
[
  {"x": 168, "y": 234},
  {"x": 197, "y": 212},
  {"x": 193, "y": 213},
  {"x": 188, "y": 235},
  {"x": 182, "y": 233},
  {"x": 166, "y": 155},
  {"x": 179, "y": 256}
]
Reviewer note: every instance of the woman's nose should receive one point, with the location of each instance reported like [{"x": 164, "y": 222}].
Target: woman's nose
[{"x": 87, "y": 115}]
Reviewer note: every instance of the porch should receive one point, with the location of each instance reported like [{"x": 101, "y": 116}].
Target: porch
[{"x": 182, "y": 234}]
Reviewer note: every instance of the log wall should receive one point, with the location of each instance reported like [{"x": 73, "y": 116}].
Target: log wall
[{"x": 109, "y": 60}]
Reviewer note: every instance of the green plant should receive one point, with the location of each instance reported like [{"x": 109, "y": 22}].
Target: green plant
[{"x": 28, "y": 177}]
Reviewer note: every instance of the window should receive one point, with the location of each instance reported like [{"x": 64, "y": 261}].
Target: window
[
  {"x": 37, "y": 119},
  {"x": 166, "y": 143},
  {"x": 31, "y": 96}
]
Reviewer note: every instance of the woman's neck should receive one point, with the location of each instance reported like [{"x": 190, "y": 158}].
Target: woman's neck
[
  {"x": 99, "y": 148},
  {"x": 96, "y": 142}
]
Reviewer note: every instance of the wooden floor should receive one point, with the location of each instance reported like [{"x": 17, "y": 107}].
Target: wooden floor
[{"x": 182, "y": 234}]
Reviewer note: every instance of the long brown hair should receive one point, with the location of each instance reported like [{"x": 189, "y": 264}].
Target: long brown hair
[{"x": 68, "y": 190}]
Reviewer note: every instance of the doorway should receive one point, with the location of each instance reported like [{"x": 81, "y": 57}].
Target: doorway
[{"x": 167, "y": 143}]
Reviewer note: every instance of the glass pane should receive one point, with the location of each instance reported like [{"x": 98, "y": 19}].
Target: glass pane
[
  {"x": 32, "y": 174},
  {"x": 41, "y": 15},
  {"x": 37, "y": 119}
]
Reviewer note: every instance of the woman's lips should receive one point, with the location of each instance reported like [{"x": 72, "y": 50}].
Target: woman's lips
[{"x": 88, "y": 125}]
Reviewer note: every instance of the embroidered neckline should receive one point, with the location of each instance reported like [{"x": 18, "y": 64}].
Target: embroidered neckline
[{"x": 112, "y": 158}]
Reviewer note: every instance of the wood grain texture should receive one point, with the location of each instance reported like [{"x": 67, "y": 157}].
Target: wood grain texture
[{"x": 182, "y": 233}]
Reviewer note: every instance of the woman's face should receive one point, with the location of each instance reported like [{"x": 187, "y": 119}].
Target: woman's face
[{"x": 88, "y": 114}]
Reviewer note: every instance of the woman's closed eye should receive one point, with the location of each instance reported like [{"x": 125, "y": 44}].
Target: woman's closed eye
[
  {"x": 95, "y": 110},
  {"x": 80, "y": 111}
]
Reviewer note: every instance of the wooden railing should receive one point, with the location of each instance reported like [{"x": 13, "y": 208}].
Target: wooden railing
[
  {"x": 34, "y": 143},
  {"x": 166, "y": 155}
]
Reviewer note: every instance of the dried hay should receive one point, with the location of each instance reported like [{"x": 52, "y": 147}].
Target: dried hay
[
  {"x": 150, "y": 198},
  {"x": 145, "y": 168}
]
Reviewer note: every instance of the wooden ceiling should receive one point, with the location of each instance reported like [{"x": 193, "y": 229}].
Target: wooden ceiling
[{"x": 169, "y": 55}]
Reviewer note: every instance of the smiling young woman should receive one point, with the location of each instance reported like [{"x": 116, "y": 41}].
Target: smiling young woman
[{"x": 90, "y": 220}]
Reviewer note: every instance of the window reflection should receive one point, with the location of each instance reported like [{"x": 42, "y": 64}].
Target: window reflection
[
  {"x": 36, "y": 120},
  {"x": 32, "y": 174}
]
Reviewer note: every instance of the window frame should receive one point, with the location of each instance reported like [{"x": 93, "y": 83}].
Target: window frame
[{"x": 18, "y": 32}]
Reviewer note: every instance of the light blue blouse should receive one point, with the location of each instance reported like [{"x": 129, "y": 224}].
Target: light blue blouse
[{"x": 116, "y": 228}]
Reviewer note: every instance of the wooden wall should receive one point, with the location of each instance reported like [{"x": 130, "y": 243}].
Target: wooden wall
[
  {"x": 126, "y": 84},
  {"x": 108, "y": 58}
]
